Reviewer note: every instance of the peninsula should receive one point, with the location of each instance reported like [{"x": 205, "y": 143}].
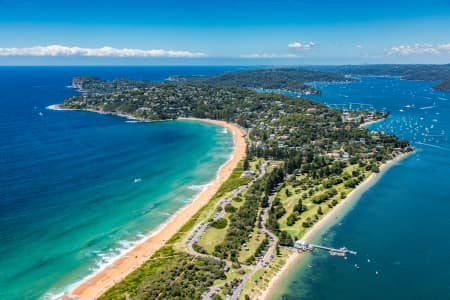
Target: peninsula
[
  {"x": 302, "y": 160},
  {"x": 279, "y": 79}
]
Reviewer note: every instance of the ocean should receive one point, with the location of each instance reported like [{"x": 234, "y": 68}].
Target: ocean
[
  {"x": 77, "y": 189},
  {"x": 400, "y": 226}
]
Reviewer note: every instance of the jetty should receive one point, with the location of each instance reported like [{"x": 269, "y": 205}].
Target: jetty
[{"x": 302, "y": 245}]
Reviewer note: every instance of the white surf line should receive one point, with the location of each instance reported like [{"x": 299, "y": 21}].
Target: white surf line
[{"x": 434, "y": 146}]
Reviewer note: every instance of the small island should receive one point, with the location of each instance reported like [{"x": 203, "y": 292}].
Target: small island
[{"x": 302, "y": 161}]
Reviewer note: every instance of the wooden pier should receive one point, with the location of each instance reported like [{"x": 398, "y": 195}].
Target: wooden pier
[{"x": 303, "y": 246}]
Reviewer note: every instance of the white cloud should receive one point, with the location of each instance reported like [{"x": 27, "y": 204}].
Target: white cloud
[
  {"x": 268, "y": 55},
  {"x": 302, "y": 46},
  {"x": 359, "y": 46},
  {"x": 297, "y": 46},
  {"x": 434, "y": 49},
  {"x": 60, "y": 50}
]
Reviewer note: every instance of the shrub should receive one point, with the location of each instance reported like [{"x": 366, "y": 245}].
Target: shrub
[
  {"x": 237, "y": 199},
  {"x": 292, "y": 219},
  {"x": 319, "y": 211},
  {"x": 230, "y": 208},
  {"x": 279, "y": 211},
  {"x": 285, "y": 239},
  {"x": 199, "y": 248},
  {"x": 220, "y": 224}
]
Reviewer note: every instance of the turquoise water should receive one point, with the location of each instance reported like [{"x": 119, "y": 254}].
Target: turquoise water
[
  {"x": 400, "y": 226},
  {"x": 79, "y": 188}
]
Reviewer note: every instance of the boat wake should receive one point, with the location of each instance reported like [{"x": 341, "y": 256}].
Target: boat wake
[
  {"x": 427, "y": 107},
  {"x": 433, "y": 146}
]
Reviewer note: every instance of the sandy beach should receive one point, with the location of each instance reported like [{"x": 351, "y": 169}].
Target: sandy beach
[
  {"x": 365, "y": 124},
  {"x": 326, "y": 221},
  {"x": 96, "y": 285}
]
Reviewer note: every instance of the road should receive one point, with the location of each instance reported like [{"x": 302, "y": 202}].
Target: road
[
  {"x": 201, "y": 229},
  {"x": 268, "y": 256}
]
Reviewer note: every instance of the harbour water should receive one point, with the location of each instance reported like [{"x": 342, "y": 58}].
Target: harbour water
[{"x": 400, "y": 225}]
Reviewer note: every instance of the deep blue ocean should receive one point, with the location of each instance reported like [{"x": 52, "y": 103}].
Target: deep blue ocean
[
  {"x": 79, "y": 188},
  {"x": 400, "y": 226}
]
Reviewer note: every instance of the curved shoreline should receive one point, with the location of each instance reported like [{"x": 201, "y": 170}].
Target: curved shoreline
[
  {"x": 95, "y": 285},
  {"x": 326, "y": 222}
]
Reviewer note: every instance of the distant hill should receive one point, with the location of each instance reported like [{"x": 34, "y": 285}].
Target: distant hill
[
  {"x": 408, "y": 72},
  {"x": 288, "y": 79}
]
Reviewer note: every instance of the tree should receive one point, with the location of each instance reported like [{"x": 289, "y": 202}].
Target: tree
[
  {"x": 306, "y": 224},
  {"x": 285, "y": 239},
  {"x": 299, "y": 206},
  {"x": 375, "y": 168},
  {"x": 230, "y": 208},
  {"x": 319, "y": 210},
  {"x": 292, "y": 218},
  {"x": 220, "y": 224},
  {"x": 246, "y": 164}
]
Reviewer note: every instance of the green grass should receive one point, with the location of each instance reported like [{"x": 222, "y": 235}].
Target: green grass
[{"x": 212, "y": 237}]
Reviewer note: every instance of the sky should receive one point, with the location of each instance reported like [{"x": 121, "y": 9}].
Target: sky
[{"x": 233, "y": 32}]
